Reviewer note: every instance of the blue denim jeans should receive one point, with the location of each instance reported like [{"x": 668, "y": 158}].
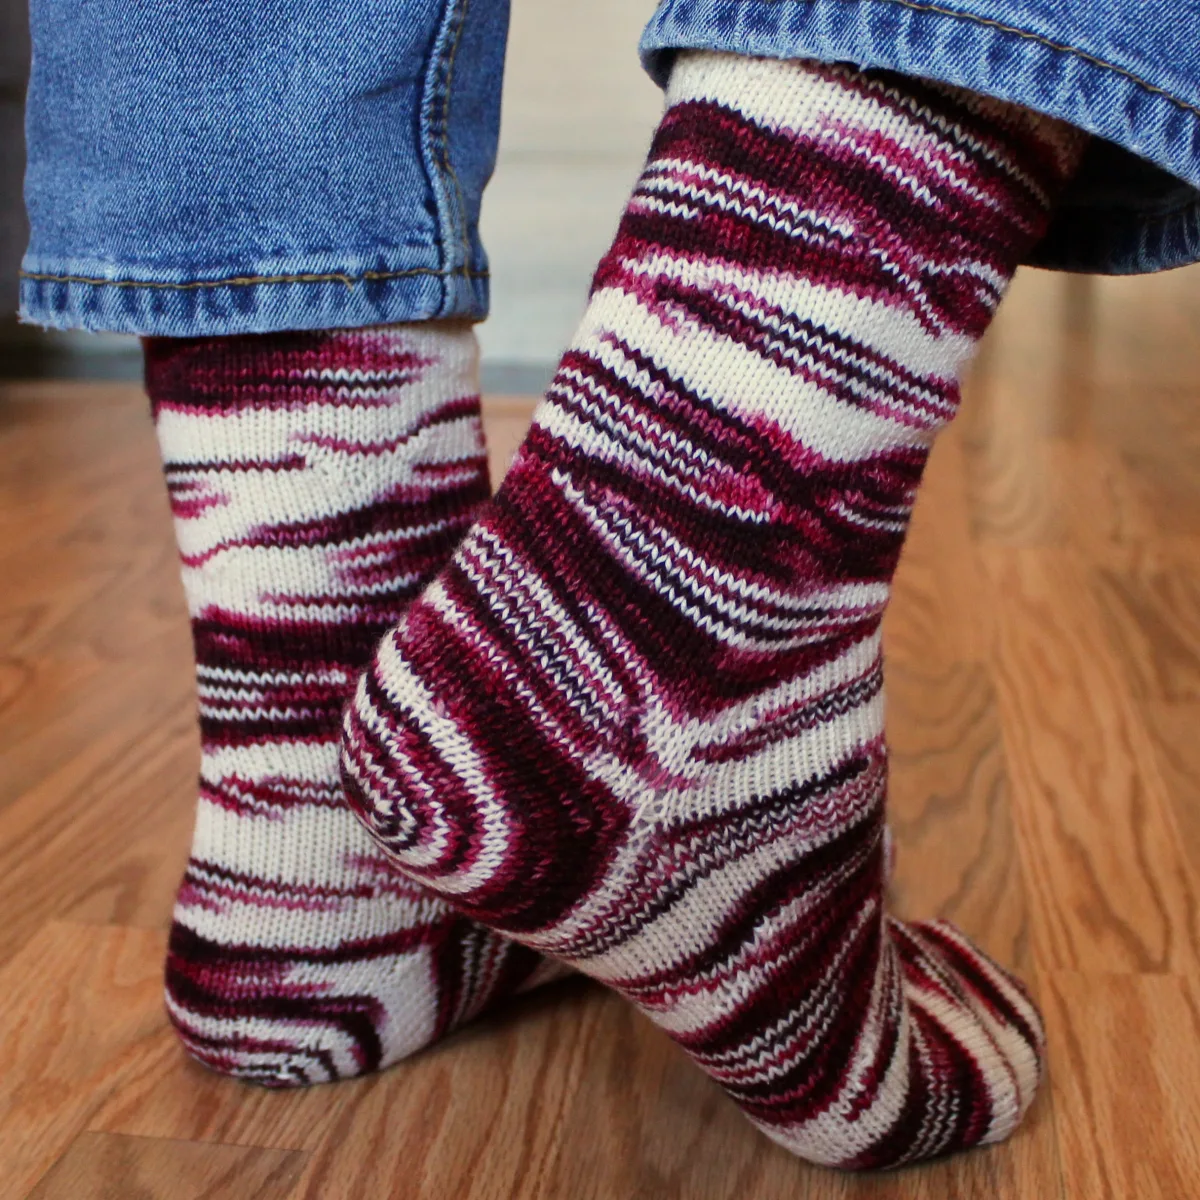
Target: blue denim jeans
[
  {"x": 235, "y": 167},
  {"x": 239, "y": 166}
]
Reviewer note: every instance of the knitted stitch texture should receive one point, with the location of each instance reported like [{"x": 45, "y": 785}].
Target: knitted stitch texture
[
  {"x": 317, "y": 482},
  {"x": 637, "y": 723}
]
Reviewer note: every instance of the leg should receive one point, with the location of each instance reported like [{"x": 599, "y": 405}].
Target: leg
[
  {"x": 253, "y": 170},
  {"x": 638, "y": 723},
  {"x": 317, "y": 481}
]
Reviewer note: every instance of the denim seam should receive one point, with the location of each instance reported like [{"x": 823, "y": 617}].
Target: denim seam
[
  {"x": 1031, "y": 36},
  {"x": 252, "y": 280},
  {"x": 435, "y": 135},
  {"x": 447, "y": 164}
]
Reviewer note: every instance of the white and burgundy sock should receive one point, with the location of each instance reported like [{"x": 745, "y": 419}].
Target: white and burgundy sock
[
  {"x": 637, "y": 723},
  {"x": 318, "y": 480}
]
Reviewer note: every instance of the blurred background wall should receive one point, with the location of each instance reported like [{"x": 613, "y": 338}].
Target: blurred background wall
[{"x": 578, "y": 116}]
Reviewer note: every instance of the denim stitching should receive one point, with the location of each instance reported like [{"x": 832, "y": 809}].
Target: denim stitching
[
  {"x": 1030, "y": 36},
  {"x": 447, "y": 165},
  {"x": 435, "y": 139},
  {"x": 250, "y": 280}
]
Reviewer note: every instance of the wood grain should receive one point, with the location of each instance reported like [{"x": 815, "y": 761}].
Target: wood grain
[
  {"x": 1124, "y": 1061},
  {"x": 82, "y": 1015},
  {"x": 950, "y": 809},
  {"x": 175, "y": 1099},
  {"x": 104, "y": 1166},
  {"x": 1013, "y": 491},
  {"x": 1109, "y": 887},
  {"x": 940, "y": 613},
  {"x": 118, "y": 813},
  {"x": 1153, "y": 621},
  {"x": 1175, "y": 732},
  {"x": 507, "y": 420},
  {"x": 1044, "y": 709},
  {"x": 434, "y": 1132}
]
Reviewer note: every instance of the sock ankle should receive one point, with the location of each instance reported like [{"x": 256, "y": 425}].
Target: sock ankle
[
  {"x": 317, "y": 481},
  {"x": 637, "y": 723}
]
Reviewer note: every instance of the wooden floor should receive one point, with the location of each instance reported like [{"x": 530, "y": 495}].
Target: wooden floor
[{"x": 1045, "y": 726}]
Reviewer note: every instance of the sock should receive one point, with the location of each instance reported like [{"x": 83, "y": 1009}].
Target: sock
[
  {"x": 637, "y": 722},
  {"x": 317, "y": 481}
]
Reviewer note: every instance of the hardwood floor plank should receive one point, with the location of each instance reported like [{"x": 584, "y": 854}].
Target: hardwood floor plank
[
  {"x": 82, "y": 1014},
  {"x": 176, "y": 1099},
  {"x": 480, "y": 1115},
  {"x": 102, "y": 1166},
  {"x": 1175, "y": 732},
  {"x": 1124, "y": 1061},
  {"x": 505, "y": 418},
  {"x": 939, "y": 615},
  {"x": 102, "y": 837},
  {"x": 1153, "y": 622},
  {"x": 1107, "y": 513},
  {"x": 1013, "y": 489},
  {"x": 64, "y": 708},
  {"x": 1147, "y": 332},
  {"x": 1109, "y": 887},
  {"x": 92, "y": 620},
  {"x": 949, "y": 809}
]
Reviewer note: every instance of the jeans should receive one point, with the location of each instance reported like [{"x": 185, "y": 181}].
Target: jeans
[
  {"x": 235, "y": 166},
  {"x": 228, "y": 167}
]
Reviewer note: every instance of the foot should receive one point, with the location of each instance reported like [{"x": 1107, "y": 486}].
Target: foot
[
  {"x": 637, "y": 723},
  {"x": 317, "y": 481}
]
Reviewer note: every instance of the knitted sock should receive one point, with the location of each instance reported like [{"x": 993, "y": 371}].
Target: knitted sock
[
  {"x": 317, "y": 480},
  {"x": 637, "y": 723}
]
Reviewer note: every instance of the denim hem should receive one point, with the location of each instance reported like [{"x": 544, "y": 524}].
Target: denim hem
[
  {"x": 1119, "y": 241},
  {"x": 230, "y": 168},
  {"x": 71, "y": 296},
  {"x": 919, "y": 38}
]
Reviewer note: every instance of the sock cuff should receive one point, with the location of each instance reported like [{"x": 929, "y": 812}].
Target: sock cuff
[
  {"x": 296, "y": 367},
  {"x": 836, "y": 101}
]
